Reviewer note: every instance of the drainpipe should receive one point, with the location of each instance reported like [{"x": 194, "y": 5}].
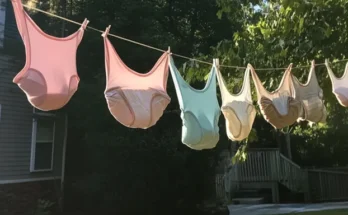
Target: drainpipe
[
  {"x": 63, "y": 162},
  {"x": 63, "y": 4}
]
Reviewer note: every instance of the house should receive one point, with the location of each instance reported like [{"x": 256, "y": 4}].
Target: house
[{"x": 32, "y": 142}]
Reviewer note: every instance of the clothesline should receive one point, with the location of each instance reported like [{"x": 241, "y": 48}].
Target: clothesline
[{"x": 161, "y": 50}]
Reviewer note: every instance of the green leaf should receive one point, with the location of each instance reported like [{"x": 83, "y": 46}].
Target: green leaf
[
  {"x": 234, "y": 160},
  {"x": 189, "y": 75},
  {"x": 219, "y": 14},
  {"x": 300, "y": 25},
  {"x": 283, "y": 52},
  {"x": 244, "y": 156},
  {"x": 206, "y": 76}
]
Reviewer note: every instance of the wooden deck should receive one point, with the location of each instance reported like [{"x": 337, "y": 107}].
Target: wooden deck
[{"x": 267, "y": 168}]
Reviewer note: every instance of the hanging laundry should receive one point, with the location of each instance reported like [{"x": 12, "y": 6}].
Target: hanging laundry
[
  {"x": 49, "y": 77},
  {"x": 339, "y": 85},
  {"x": 200, "y": 110},
  {"x": 311, "y": 97},
  {"x": 135, "y": 100},
  {"x": 238, "y": 109},
  {"x": 279, "y": 107}
]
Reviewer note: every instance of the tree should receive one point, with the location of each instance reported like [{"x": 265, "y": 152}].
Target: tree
[{"x": 284, "y": 32}]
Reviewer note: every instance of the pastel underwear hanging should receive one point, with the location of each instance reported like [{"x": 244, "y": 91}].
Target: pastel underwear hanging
[
  {"x": 49, "y": 77},
  {"x": 279, "y": 107},
  {"x": 200, "y": 110},
  {"x": 135, "y": 100},
  {"x": 339, "y": 85},
  {"x": 238, "y": 109},
  {"x": 311, "y": 97}
]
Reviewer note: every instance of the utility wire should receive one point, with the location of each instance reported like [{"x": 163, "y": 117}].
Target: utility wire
[{"x": 162, "y": 50}]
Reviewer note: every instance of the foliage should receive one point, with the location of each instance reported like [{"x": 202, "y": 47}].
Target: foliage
[
  {"x": 114, "y": 169},
  {"x": 283, "y": 32},
  {"x": 241, "y": 153}
]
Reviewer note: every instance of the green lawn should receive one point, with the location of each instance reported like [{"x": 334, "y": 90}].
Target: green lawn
[{"x": 327, "y": 212}]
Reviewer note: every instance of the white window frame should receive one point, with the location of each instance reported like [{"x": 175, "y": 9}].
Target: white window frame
[{"x": 34, "y": 141}]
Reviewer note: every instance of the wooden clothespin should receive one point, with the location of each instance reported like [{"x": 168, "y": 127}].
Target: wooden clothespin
[
  {"x": 108, "y": 29},
  {"x": 217, "y": 63},
  {"x": 169, "y": 50},
  {"x": 106, "y": 32},
  {"x": 249, "y": 66},
  {"x": 84, "y": 24}
]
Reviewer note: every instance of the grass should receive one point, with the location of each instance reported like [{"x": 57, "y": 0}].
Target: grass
[{"x": 326, "y": 212}]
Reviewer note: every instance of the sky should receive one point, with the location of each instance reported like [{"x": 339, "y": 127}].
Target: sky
[{"x": 257, "y": 7}]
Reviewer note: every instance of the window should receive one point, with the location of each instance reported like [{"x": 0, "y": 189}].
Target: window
[
  {"x": 2, "y": 21},
  {"x": 42, "y": 146}
]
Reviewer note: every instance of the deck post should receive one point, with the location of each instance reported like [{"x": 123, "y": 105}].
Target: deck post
[
  {"x": 275, "y": 192},
  {"x": 306, "y": 187}
]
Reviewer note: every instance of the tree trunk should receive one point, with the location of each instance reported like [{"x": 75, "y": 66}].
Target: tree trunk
[{"x": 288, "y": 144}]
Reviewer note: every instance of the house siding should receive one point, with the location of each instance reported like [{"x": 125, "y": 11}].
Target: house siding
[
  {"x": 19, "y": 188},
  {"x": 11, "y": 30},
  {"x": 16, "y": 115},
  {"x": 16, "y": 129}
]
